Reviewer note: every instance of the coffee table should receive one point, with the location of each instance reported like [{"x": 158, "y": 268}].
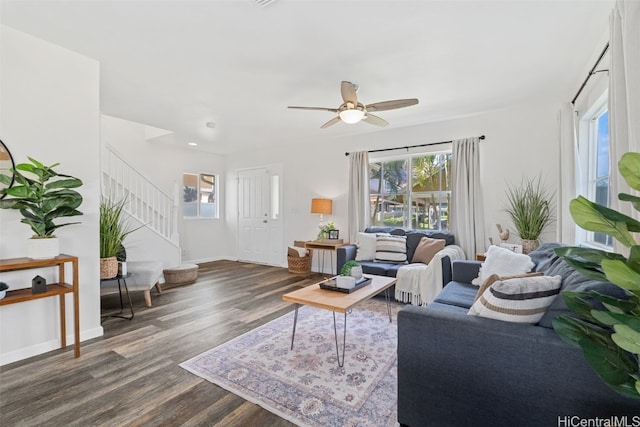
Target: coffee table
[{"x": 339, "y": 302}]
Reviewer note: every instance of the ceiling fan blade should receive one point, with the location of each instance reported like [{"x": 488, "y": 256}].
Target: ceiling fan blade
[
  {"x": 374, "y": 120},
  {"x": 331, "y": 122},
  {"x": 333, "y": 110},
  {"x": 348, "y": 91},
  {"x": 391, "y": 105}
]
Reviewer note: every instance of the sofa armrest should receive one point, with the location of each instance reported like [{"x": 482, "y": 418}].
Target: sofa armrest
[
  {"x": 343, "y": 254},
  {"x": 465, "y": 270},
  {"x": 456, "y": 369}
]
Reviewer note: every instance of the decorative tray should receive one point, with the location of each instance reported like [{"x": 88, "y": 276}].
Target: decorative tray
[{"x": 330, "y": 284}]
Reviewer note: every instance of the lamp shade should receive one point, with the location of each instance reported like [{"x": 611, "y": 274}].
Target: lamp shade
[{"x": 321, "y": 206}]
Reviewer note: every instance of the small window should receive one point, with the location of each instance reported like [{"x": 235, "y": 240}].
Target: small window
[{"x": 200, "y": 193}]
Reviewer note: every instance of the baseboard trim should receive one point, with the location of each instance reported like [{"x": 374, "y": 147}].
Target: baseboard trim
[{"x": 47, "y": 346}]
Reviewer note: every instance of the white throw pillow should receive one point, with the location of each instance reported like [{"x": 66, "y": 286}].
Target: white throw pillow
[
  {"x": 519, "y": 300},
  {"x": 503, "y": 262},
  {"x": 366, "y": 247}
]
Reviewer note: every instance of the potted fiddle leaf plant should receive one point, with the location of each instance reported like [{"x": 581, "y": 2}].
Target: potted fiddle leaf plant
[
  {"x": 607, "y": 329},
  {"x": 114, "y": 228},
  {"x": 530, "y": 206},
  {"x": 42, "y": 196}
]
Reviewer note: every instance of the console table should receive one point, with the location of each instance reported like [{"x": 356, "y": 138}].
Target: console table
[
  {"x": 60, "y": 289},
  {"x": 329, "y": 245}
]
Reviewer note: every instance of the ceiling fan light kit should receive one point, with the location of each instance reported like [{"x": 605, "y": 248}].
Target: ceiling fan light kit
[
  {"x": 351, "y": 111},
  {"x": 351, "y": 116}
]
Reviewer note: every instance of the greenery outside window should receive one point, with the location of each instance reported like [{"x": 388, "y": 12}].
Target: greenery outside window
[
  {"x": 200, "y": 195},
  {"x": 411, "y": 192}
]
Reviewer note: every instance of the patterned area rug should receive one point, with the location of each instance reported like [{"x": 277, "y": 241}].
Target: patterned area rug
[{"x": 305, "y": 385}]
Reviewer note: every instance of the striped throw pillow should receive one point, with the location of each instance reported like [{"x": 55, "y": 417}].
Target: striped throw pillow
[
  {"x": 391, "y": 249},
  {"x": 518, "y": 300}
]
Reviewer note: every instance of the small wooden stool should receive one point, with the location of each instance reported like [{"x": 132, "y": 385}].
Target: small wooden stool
[{"x": 182, "y": 275}]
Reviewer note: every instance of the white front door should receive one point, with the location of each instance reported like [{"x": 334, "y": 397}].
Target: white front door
[{"x": 259, "y": 222}]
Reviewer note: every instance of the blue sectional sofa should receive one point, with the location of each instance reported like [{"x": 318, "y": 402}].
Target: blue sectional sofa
[
  {"x": 348, "y": 252},
  {"x": 461, "y": 370}
]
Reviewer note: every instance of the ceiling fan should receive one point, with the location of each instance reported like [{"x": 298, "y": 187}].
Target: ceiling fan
[{"x": 352, "y": 111}]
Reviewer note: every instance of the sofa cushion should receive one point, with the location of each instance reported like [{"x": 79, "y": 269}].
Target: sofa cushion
[
  {"x": 549, "y": 263},
  {"x": 377, "y": 268},
  {"x": 391, "y": 249},
  {"x": 414, "y": 237},
  {"x": 366, "y": 247},
  {"x": 447, "y": 307},
  {"x": 427, "y": 249},
  {"x": 457, "y": 293},
  {"x": 503, "y": 262},
  {"x": 519, "y": 300}
]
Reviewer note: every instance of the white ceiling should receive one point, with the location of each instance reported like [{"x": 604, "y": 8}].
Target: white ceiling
[{"x": 176, "y": 65}]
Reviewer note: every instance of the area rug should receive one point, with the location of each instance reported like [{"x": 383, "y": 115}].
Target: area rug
[{"x": 305, "y": 385}]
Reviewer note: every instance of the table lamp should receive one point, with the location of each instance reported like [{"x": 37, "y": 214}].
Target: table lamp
[{"x": 321, "y": 206}]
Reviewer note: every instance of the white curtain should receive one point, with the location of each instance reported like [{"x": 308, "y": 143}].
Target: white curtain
[
  {"x": 624, "y": 96},
  {"x": 358, "y": 193},
  {"x": 467, "y": 210},
  {"x": 568, "y": 175}
]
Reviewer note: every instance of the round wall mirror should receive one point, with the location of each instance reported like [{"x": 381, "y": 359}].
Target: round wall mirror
[{"x": 6, "y": 165}]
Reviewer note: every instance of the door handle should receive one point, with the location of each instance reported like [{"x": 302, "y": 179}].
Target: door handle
[{"x": 264, "y": 221}]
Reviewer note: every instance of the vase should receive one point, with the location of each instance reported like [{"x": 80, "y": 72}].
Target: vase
[
  {"x": 43, "y": 247},
  {"x": 356, "y": 272},
  {"x": 108, "y": 268},
  {"x": 529, "y": 245}
]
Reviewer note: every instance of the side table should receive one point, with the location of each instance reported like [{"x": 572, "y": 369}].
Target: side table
[
  {"x": 122, "y": 280},
  {"x": 329, "y": 245}
]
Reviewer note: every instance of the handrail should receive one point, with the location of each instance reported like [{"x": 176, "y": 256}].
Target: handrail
[{"x": 147, "y": 202}]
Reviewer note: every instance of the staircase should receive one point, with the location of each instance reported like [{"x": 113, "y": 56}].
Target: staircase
[{"x": 146, "y": 204}]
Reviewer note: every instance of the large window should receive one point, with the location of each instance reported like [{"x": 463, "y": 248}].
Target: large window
[
  {"x": 200, "y": 195},
  {"x": 411, "y": 192}
]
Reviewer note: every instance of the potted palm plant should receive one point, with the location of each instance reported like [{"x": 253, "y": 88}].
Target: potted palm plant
[
  {"x": 42, "y": 195},
  {"x": 607, "y": 329},
  {"x": 530, "y": 206},
  {"x": 114, "y": 228}
]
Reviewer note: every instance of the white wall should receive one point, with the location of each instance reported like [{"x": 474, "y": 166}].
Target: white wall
[
  {"x": 520, "y": 141},
  {"x": 49, "y": 110},
  {"x": 200, "y": 239}
]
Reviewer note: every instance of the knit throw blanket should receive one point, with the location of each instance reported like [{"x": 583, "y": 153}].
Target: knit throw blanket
[{"x": 419, "y": 284}]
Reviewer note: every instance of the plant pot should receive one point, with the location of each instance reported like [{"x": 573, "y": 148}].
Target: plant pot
[
  {"x": 529, "y": 245},
  {"x": 356, "y": 272},
  {"x": 345, "y": 282},
  {"x": 43, "y": 247},
  {"x": 108, "y": 268}
]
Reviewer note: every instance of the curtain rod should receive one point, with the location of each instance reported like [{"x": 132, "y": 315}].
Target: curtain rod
[
  {"x": 591, "y": 73},
  {"x": 412, "y": 146}
]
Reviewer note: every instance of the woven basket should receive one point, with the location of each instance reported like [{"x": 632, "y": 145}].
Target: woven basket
[
  {"x": 529, "y": 246},
  {"x": 108, "y": 267},
  {"x": 299, "y": 265}
]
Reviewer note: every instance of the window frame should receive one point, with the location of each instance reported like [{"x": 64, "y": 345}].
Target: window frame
[
  {"x": 199, "y": 192},
  {"x": 588, "y": 159}
]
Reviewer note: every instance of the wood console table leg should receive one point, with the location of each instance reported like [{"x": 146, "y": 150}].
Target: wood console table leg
[
  {"x": 76, "y": 309},
  {"x": 63, "y": 322}
]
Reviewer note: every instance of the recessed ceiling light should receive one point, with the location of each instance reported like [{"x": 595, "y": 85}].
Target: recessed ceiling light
[
  {"x": 193, "y": 144},
  {"x": 210, "y": 125}
]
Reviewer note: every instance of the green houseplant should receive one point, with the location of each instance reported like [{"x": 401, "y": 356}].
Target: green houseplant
[
  {"x": 608, "y": 329},
  {"x": 529, "y": 205},
  {"x": 42, "y": 196},
  {"x": 114, "y": 228}
]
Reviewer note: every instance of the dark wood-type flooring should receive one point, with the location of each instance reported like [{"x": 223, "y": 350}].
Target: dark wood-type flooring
[{"x": 130, "y": 376}]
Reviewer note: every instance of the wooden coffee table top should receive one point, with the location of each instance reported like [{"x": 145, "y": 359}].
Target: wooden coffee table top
[{"x": 338, "y": 301}]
